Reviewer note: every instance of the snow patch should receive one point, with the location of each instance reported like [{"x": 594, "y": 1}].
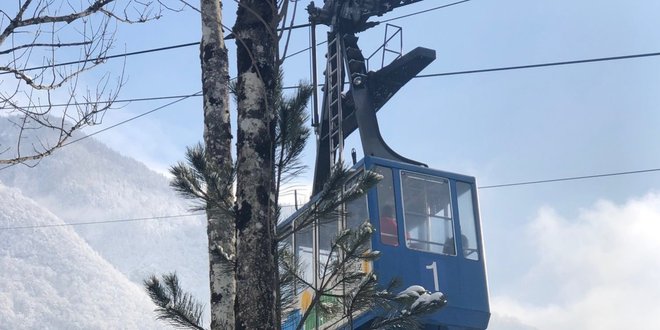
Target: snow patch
[
  {"x": 413, "y": 291},
  {"x": 52, "y": 278},
  {"x": 88, "y": 182}
]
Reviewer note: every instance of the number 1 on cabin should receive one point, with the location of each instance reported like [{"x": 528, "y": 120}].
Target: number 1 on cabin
[{"x": 434, "y": 267}]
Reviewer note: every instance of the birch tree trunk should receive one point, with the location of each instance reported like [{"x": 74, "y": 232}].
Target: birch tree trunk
[
  {"x": 221, "y": 227},
  {"x": 256, "y": 298}
]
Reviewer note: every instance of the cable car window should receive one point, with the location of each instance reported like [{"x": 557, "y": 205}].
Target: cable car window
[
  {"x": 427, "y": 213},
  {"x": 305, "y": 253},
  {"x": 356, "y": 210},
  {"x": 285, "y": 251},
  {"x": 468, "y": 221},
  {"x": 388, "y": 223},
  {"x": 356, "y": 213},
  {"x": 328, "y": 229}
]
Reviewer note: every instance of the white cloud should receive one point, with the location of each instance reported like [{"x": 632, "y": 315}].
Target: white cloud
[
  {"x": 146, "y": 141},
  {"x": 507, "y": 322},
  {"x": 597, "y": 271}
]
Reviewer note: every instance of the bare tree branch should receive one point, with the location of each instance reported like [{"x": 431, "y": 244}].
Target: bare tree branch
[
  {"x": 57, "y": 45},
  {"x": 48, "y": 31}
]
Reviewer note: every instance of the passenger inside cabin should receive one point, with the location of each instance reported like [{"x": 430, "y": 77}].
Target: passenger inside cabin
[
  {"x": 388, "y": 226},
  {"x": 450, "y": 246}
]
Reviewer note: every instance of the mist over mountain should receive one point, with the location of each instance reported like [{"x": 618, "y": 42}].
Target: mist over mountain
[{"x": 88, "y": 182}]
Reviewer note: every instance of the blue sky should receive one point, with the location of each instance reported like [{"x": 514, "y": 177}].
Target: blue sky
[{"x": 501, "y": 127}]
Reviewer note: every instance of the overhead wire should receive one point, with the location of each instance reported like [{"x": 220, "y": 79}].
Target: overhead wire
[
  {"x": 423, "y": 11},
  {"x": 519, "y": 67},
  {"x": 146, "y": 51},
  {"x": 441, "y": 74},
  {"x": 101, "y": 222},
  {"x": 181, "y": 98},
  {"x": 385, "y": 21},
  {"x": 572, "y": 178},
  {"x": 139, "y": 52},
  {"x": 133, "y": 118},
  {"x": 540, "y": 65},
  {"x": 109, "y": 57},
  {"x": 85, "y": 223},
  {"x": 137, "y": 99}
]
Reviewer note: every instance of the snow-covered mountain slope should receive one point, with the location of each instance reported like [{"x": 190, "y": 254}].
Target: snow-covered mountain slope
[
  {"x": 88, "y": 182},
  {"x": 51, "y": 278}
]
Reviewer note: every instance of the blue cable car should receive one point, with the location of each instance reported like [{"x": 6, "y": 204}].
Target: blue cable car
[
  {"x": 429, "y": 234},
  {"x": 436, "y": 241},
  {"x": 427, "y": 221}
]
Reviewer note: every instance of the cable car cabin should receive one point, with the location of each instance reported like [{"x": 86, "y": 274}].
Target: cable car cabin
[{"x": 429, "y": 234}]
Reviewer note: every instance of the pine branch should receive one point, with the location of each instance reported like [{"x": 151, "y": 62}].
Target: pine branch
[
  {"x": 186, "y": 183},
  {"x": 208, "y": 186},
  {"x": 342, "y": 273},
  {"x": 289, "y": 269},
  {"x": 173, "y": 305},
  {"x": 359, "y": 292},
  {"x": 332, "y": 196},
  {"x": 291, "y": 133}
]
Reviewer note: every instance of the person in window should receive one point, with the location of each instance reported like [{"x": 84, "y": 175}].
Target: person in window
[
  {"x": 450, "y": 246},
  {"x": 388, "y": 227}
]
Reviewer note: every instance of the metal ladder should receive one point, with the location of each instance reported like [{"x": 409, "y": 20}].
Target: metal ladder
[{"x": 334, "y": 77}]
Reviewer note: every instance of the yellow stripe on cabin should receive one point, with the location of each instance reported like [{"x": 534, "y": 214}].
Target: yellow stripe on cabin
[{"x": 306, "y": 299}]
